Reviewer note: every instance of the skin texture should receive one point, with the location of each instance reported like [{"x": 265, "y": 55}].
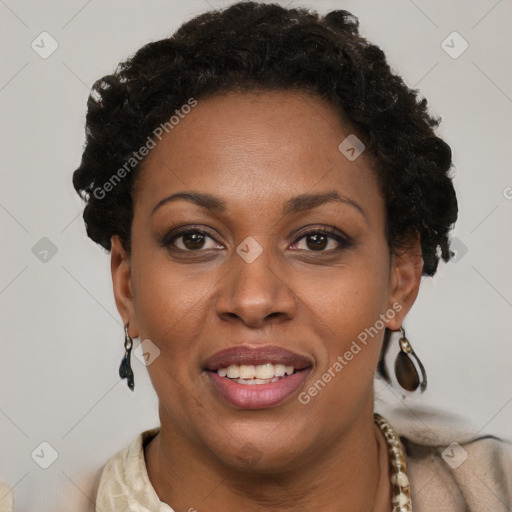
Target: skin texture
[{"x": 255, "y": 151}]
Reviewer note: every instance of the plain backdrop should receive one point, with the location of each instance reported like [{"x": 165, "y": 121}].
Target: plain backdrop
[{"x": 61, "y": 335}]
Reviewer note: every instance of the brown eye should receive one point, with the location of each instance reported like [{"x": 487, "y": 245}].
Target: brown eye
[
  {"x": 318, "y": 240},
  {"x": 191, "y": 240}
]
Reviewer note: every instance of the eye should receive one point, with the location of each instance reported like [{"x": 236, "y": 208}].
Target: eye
[
  {"x": 190, "y": 240},
  {"x": 318, "y": 239}
]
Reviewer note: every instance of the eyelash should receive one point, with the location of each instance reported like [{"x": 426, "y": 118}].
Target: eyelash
[{"x": 344, "y": 241}]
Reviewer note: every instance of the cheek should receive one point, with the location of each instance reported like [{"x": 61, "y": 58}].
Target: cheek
[
  {"x": 169, "y": 297},
  {"x": 357, "y": 290},
  {"x": 170, "y": 304},
  {"x": 170, "y": 307},
  {"x": 348, "y": 309}
]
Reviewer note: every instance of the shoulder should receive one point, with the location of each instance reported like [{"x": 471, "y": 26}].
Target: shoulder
[
  {"x": 452, "y": 468},
  {"x": 124, "y": 483}
]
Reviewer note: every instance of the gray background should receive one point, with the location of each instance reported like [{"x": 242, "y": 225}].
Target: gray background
[{"x": 61, "y": 335}]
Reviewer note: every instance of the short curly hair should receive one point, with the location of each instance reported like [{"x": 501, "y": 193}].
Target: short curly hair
[{"x": 251, "y": 46}]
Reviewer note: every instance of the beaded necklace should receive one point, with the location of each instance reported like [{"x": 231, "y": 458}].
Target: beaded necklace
[{"x": 401, "y": 494}]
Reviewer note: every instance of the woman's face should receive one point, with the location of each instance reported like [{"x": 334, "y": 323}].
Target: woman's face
[{"x": 247, "y": 274}]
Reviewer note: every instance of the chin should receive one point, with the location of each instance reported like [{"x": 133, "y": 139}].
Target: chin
[
  {"x": 252, "y": 459},
  {"x": 261, "y": 452}
]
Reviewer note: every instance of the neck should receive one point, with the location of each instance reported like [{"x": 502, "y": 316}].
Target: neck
[{"x": 348, "y": 475}]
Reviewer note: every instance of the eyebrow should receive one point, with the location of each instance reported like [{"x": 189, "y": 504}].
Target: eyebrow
[{"x": 292, "y": 206}]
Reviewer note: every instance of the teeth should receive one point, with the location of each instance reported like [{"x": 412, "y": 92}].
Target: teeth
[
  {"x": 265, "y": 371},
  {"x": 233, "y": 371},
  {"x": 280, "y": 370},
  {"x": 247, "y": 371},
  {"x": 256, "y": 374},
  {"x": 250, "y": 382}
]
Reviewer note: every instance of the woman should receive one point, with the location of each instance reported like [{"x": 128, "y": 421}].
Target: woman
[{"x": 271, "y": 194}]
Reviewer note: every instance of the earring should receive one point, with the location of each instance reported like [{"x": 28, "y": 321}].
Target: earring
[
  {"x": 125, "y": 370},
  {"x": 407, "y": 364}
]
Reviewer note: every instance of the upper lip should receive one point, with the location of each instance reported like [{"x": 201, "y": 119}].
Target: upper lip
[{"x": 256, "y": 355}]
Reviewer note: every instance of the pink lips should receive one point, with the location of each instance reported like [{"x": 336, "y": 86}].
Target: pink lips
[{"x": 257, "y": 396}]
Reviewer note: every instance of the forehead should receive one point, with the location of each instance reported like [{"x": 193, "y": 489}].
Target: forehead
[{"x": 262, "y": 147}]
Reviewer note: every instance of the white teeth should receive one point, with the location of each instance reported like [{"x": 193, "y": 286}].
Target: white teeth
[
  {"x": 264, "y": 371},
  {"x": 247, "y": 371},
  {"x": 256, "y": 374},
  {"x": 280, "y": 370},
  {"x": 233, "y": 371}
]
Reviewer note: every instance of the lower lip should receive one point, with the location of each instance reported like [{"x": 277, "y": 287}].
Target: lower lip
[{"x": 257, "y": 396}]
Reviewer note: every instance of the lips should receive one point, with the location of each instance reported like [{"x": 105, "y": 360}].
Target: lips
[
  {"x": 247, "y": 355},
  {"x": 262, "y": 394}
]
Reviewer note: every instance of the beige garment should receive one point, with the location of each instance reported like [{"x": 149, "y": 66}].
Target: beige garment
[
  {"x": 124, "y": 485},
  {"x": 470, "y": 476}
]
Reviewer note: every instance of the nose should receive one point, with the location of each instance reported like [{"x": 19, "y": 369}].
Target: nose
[{"x": 255, "y": 293}]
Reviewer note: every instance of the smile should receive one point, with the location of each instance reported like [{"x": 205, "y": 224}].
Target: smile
[
  {"x": 260, "y": 374},
  {"x": 256, "y": 378}
]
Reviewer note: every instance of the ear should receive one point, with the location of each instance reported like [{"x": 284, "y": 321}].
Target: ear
[
  {"x": 120, "y": 266},
  {"x": 405, "y": 277}
]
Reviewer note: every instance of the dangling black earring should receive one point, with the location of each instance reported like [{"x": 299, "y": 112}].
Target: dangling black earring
[
  {"x": 407, "y": 364},
  {"x": 125, "y": 370}
]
